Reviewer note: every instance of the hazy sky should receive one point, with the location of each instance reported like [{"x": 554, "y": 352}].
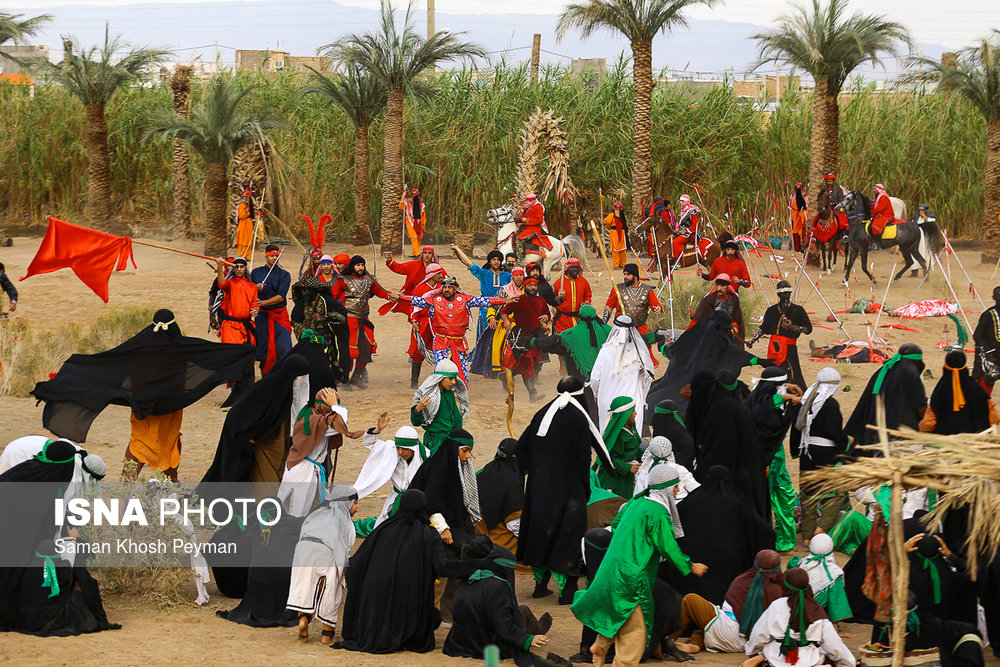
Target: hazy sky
[{"x": 953, "y": 24}]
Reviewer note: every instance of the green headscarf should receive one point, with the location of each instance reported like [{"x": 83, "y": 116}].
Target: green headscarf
[
  {"x": 788, "y": 644},
  {"x": 887, "y": 366},
  {"x": 621, "y": 409},
  {"x": 753, "y": 603},
  {"x": 667, "y": 411},
  {"x": 584, "y": 340}
]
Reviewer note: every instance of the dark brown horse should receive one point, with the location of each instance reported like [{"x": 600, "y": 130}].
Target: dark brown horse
[
  {"x": 709, "y": 249},
  {"x": 825, "y": 232}
]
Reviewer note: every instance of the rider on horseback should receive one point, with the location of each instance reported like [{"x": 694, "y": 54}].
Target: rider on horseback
[
  {"x": 686, "y": 230},
  {"x": 835, "y": 196},
  {"x": 533, "y": 223},
  {"x": 882, "y": 213}
]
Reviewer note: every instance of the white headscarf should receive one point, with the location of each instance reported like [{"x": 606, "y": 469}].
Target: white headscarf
[
  {"x": 625, "y": 366},
  {"x": 384, "y": 460},
  {"x": 564, "y": 399},
  {"x": 331, "y": 524},
  {"x": 445, "y": 368},
  {"x": 820, "y": 565},
  {"x": 662, "y": 480},
  {"x": 827, "y": 384}
]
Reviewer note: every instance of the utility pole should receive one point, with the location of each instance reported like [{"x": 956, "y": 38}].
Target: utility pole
[
  {"x": 777, "y": 82},
  {"x": 536, "y": 47},
  {"x": 430, "y": 19},
  {"x": 67, "y": 51}
]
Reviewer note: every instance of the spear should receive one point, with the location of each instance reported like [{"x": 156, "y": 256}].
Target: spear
[
  {"x": 607, "y": 264},
  {"x": 839, "y": 322}
]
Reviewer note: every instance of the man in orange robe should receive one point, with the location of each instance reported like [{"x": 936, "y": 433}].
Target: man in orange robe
[
  {"x": 244, "y": 225},
  {"x": 240, "y": 303},
  {"x": 617, "y": 235}
]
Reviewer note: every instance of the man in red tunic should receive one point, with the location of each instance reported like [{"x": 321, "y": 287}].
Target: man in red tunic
[
  {"x": 729, "y": 263},
  {"x": 572, "y": 291},
  {"x": 449, "y": 308},
  {"x": 415, "y": 272},
  {"x": 354, "y": 289},
  {"x": 686, "y": 230},
  {"x": 531, "y": 318},
  {"x": 533, "y": 223},
  {"x": 882, "y": 213},
  {"x": 240, "y": 303},
  {"x": 420, "y": 322}
]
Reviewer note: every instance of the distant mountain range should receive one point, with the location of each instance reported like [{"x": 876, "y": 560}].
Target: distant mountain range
[{"x": 706, "y": 49}]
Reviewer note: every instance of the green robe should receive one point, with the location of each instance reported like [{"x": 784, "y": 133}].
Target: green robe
[
  {"x": 783, "y": 501},
  {"x": 447, "y": 420},
  {"x": 643, "y": 534},
  {"x": 625, "y": 449}
]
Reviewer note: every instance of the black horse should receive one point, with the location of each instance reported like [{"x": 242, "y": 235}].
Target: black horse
[{"x": 908, "y": 236}]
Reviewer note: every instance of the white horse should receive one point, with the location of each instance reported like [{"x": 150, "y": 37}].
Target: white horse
[{"x": 570, "y": 245}]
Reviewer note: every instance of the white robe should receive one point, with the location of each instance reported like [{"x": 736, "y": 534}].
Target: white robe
[
  {"x": 623, "y": 367},
  {"x": 722, "y": 635},
  {"x": 824, "y": 642},
  {"x": 383, "y": 465},
  {"x": 301, "y": 484}
]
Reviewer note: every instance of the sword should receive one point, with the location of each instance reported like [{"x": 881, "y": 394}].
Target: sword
[{"x": 374, "y": 253}]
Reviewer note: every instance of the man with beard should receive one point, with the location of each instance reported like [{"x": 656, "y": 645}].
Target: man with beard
[
  {"x": 545, "y": 290},
  {"x": 356, "y": 288},
  {"x": 639, "y": 299},
  {"x": 449, "y": 310},
  {"x": 572, "y": 291},
  {"x": 986, "y": 367},
  {"x": 729, "y": 263},
  {"x": 723, "y": 297},
  {"x": 899, "y": 382},
  {"x": 421, "y": 336},
  {"x": 273, "y": 328},
  {"x": 491, "y": 277},
  {"x": 555, "y": 453},
  {"x": 531, "y": 317},
  {"x": 240, "y": 303},
  {"x": 784, "y": 322}
]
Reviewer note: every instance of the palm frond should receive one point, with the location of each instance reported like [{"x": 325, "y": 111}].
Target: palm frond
[
  {"x": 361, "y": 95},
  {"x": 14, "y": 27},
  {"x": 637, "y": 20},
  {"x": 975, "y": 76},
  {"x": 828, "y": 45}
]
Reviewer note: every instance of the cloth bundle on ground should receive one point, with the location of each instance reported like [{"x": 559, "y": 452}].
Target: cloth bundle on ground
[
  {"x": 926, "y": 308},
  {"x": 156, "y": 372},
  {"x": 852, "y": 353}
]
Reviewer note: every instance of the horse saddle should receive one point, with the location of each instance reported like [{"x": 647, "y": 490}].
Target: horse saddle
[{"x": 888, "y": 232}]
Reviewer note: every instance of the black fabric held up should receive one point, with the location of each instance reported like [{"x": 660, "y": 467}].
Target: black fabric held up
[
  {"x": 667, "y": 426},
  {"x": 390, "y": 584},
  {"x": 554, "y": 518},
  {"x": 153, "y": 373},
  {"x": 974, "y": 415},
  {"x": 257, "y": 413}
]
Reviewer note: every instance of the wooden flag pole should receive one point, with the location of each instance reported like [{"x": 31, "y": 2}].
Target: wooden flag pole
[{"x": 183, "y": 252}]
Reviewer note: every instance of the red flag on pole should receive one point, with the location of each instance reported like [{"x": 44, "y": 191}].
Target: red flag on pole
[{"x": 92, "y": 255}]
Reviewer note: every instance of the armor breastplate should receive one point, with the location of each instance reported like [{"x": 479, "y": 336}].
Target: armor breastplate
[
  {"x": 635, "y": 302},
  {"x": 356, "y": 294}
]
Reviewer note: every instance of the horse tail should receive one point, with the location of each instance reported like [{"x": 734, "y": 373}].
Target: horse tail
[{"x": 935, "y": 239}]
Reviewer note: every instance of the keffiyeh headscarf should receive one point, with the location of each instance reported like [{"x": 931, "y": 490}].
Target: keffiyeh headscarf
[
  {"x": 660, "y": 450},
  {"x": 432, "y": 387},
  {"x": 467, "y": 471},
  {"x": 331, "y": 523},
  {"x": 820, "y": 564},
  {"x": 662, "y": 480},
  {"x": 827, "y": 384}
]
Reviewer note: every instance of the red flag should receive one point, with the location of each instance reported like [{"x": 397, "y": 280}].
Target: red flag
[{"x": 92, "y": 255}]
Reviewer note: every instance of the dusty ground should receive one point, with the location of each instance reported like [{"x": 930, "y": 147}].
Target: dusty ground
[{"x": 181, "y": 283}]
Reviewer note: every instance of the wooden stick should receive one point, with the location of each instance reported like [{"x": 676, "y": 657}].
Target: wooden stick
[
  {"x": 607, "y": 264},
  {"x": 183, "y": 252},
  {"x": 882, "y": 307}
]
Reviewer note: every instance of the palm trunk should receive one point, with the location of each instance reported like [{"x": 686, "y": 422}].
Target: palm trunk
[
  {"x": 362, "y": 192},
  {"x": 216, "y": 192},
  {"x": 825, "y": 142},
  {"x": 642, "y": 78},
  {"x": 180, "y": 86},
  {"x": 392, "y": 171},
  {"x": 991, "y": 192},
  {"x": 98, "y": 167}
]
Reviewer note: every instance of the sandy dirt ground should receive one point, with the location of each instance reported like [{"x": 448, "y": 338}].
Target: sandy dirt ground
[{"x": 163, "y": 279}]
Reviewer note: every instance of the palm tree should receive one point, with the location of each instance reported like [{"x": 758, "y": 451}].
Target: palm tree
[
  {"x": 14, "y": 27},
  {"x": 829, "y": 46},
  {"x": 396, "y": 59},
  {"x": 180, "y": 88},
  {"x": 976, "y": 77},
  {"x": 362, "y": 97},
  {"x": 219, "y": 126},
  {"x": 640, "y": 21},
  {"x": 94, "y": 76}
]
